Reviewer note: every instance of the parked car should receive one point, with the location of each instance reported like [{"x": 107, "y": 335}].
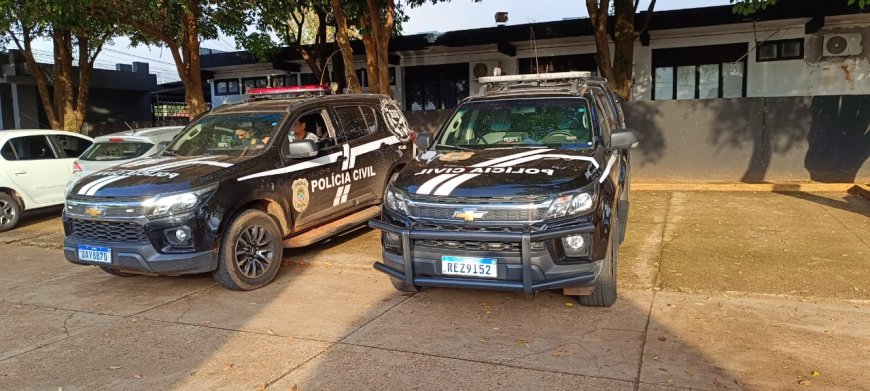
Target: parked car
[
  {"x": 239, "y": 185},
  {"x": 35, "y": 166},
  {"x": 524, "y": 188},
  {"x": 122, "y": 147}
]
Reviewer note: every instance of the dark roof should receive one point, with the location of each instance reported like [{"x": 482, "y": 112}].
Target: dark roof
[
  {"x": 661, "y": 20},
  {"x": 276, "y": 105}
]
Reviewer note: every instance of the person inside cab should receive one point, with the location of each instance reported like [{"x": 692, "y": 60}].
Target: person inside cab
[
  {"x": 248, "y": 136},
  {"x": 300, "y": 132}
]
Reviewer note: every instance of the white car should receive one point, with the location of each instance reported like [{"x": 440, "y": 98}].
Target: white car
[
  {"x": 35, "y": 167},
  {"x": 119, "y": 148}
]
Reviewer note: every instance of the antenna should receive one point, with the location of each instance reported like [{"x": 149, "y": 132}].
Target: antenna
[
  {"x": 326, "y": 65},
  {"x": 534, "y": 47}
]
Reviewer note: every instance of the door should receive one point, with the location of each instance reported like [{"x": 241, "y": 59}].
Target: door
[
  {"x": 33, "y": 165},
  {"x": 313, "y": 182},
  {"x": 370, "y": 155}
]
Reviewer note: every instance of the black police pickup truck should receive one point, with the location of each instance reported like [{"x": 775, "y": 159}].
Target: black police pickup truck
[
  {"x": 525, "y": 188},
  {"x": 286, "y": 168}
]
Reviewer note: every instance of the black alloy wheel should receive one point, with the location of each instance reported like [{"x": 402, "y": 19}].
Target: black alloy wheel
[{"x": 254, "y": 251}]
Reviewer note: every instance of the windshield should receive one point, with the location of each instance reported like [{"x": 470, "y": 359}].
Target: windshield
[
  {"x": 233, "y": 134},
  {"x": 108, "y": 151},
  {"x": 520, "y": 122}
]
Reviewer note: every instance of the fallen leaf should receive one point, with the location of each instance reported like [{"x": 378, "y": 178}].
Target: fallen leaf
[
  {"x": 488, "y": 312},
  {"x": 115, "y": 367},
  {"x": 816, "y": 373},
  {"x": 270, "y": 332},
  {"x": 805, "y": 382},
  {"x": 137, "y": 376},
  {"x": 663, "y": 339},
  {"x": 569, "y": 304},
  {"x": 261, "y": 387},
  {"x": 228, "y": 367},
  {"x": 293, "y": 388}
]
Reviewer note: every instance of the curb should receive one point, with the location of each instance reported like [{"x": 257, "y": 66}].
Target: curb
[{"x": 765, "y": 187}]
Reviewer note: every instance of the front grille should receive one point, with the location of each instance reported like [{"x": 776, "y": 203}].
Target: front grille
[
  {"x": 446, "y": 212},
  {"x": 471, "y": 245},
  {"x": 105, "y": 210},
  {"x": 107, "y": 231}
]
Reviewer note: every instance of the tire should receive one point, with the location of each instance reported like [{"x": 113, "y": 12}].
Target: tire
[
  {"x": 402, "y": 286},
  {"x": 10, "y": 212},
  {"x": 604, "y": 292},
  {"x": 116, "y": 272},
  {"x": 250, "y": 252}
]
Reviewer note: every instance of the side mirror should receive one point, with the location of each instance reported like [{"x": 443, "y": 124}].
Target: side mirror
[
  {"x": 623, "y": 139},
  {"x": 299, "y": 149},
  {"x": 424, "y": 140}
]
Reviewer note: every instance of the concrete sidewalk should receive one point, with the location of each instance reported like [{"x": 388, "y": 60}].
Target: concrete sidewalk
[{"x": 718, "y": 291}]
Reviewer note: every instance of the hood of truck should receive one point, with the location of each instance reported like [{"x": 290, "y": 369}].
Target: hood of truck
[
  {"x": 153, "y": 176},
  {"x": 498, "y": 173}
]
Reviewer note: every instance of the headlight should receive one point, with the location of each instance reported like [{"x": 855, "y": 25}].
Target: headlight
[
  {"x": 396, "y": 201},
  {"x": 170, "y": 204},
  {"x": 571, "y": 204}
]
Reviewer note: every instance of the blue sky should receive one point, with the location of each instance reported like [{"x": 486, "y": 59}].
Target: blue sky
[{"x": 454, "y": 15}]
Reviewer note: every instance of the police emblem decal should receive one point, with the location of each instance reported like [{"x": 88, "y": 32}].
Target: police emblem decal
[
  {"x": 300, "y": 194},
  {"x": 455, "y": 156}
]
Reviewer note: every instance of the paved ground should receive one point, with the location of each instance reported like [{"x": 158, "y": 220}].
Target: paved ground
[{"x": 718, "y": 291}]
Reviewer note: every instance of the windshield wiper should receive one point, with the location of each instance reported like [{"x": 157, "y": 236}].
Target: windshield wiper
[{"x": 457, "y": 147}]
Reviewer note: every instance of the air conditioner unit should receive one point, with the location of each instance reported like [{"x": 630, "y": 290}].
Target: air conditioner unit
[
  {"x": 483, "y": 68},
  {"x": 846, "y": 44}
]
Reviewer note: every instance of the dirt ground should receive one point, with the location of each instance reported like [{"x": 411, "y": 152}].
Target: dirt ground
[{"x": 718, "y": 290}]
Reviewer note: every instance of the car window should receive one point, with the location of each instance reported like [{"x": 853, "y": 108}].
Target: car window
[
  {"x": 231, "y": 134},
  {"x": 107, "y": 151},
  {"x": 604, "y": 122},
  {"x": 72, "y": 146},
  {"x": 8, "y": 151},
  {"x": 520, "y": 122},
  {"x": 32, "y": 148},
  {"x": 352, "y": 121}
]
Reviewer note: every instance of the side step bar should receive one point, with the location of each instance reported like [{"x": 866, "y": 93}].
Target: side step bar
[{"x": 338, "y": 226}]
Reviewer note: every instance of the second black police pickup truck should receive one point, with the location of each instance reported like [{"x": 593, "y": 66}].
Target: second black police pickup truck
[
  {"x": 525, "y": 188},
  {"x": 239, "y": 184}
]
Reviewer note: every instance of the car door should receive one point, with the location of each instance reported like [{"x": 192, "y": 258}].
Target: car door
[
  {"x": 36, "y": 169},
  {"x": 312, "y": 182},
  {"x": 369, "y": 154}
]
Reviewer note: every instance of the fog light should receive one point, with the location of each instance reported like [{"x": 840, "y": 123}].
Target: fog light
[
  {"x": 574, "y": 242},
  {"x": 181, "y": 235}
]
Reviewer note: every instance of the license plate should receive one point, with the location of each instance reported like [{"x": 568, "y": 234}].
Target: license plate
[
  {"x": 95, "y": 254},
  {"x": 471, "y": 267}
]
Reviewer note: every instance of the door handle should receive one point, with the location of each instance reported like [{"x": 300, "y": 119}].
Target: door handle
[{"x": 19, "y": 172}]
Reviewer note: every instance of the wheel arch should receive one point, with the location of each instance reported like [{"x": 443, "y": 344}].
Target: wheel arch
[{"x": 15, "y": 195}]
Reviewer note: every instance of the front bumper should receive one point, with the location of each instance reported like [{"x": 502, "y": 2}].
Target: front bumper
[
  {"x": 144, "y": 248},
  {"x": 422, "y": 267}
]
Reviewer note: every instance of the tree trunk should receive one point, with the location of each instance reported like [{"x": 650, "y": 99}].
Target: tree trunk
[
  {"x": 24, "y": 45},
  {"x": 598, "y": 18},
  {"x": 623, "y": 59},
  {"x": 63, "y": 83},
  {"x": 384, "y": 49},
  {"x": 373, "y": 79},
  {"x": 343, "y": 40}
]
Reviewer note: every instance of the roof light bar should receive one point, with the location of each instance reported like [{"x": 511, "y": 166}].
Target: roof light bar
[
  {"x": 289, "y": 89},
  {"x": 535, "y": 77}
]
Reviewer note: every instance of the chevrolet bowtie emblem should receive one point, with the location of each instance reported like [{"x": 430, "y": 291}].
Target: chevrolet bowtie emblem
[
  {"x": 468, "y": 214},
  {"x": 94, "y": 212}
]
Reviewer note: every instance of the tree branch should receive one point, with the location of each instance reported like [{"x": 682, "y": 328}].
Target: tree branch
[{"x": 647, "y": 17}]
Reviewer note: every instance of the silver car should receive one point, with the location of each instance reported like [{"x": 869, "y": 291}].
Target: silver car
[{"x": 118, "y": 148}]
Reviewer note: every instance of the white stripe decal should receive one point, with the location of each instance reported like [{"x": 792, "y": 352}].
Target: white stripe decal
[
  {"x": 346, "y": 153},
  {"x": 607, "y": 169},
  {"x": 341, "y": 195},
  {"x": 328, "y": 159},
  {"x": 87, "y": 187},
  {"x": 93, "y": 187},
  {"x": 452, "y": 184},
  {"x": 431, "y": 184}
]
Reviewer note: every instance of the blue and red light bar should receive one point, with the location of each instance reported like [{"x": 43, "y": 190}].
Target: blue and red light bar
[{"x": 289, "y": 89}]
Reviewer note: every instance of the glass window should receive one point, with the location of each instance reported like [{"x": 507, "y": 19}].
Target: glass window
[
  {"x": 232, "y": 134},
  {"x": 732, "y": 80},
  {"x": 220, "y": 88},
  {"x": 8, "y": 152},
  {"x": 435, "y": 87},
  {"x": 72, "y": 146},
  {"x": 686, "y": 82},
  {"x": 254, "y": 82},
  {"x": 353, "y": 123},
  {"x": 371, "y": 118},
  {"x": 664, "y": 83},
  {"x": 226, "y": 87},
  {"x": 108, "y": 151},
  {"x": 708, "y": 81},
  {"x": 520, "y": 122},
  {"x": 791, "y": 49},
  {"x": 767, "y": 51},
  {"x": 32, "y": 148}
]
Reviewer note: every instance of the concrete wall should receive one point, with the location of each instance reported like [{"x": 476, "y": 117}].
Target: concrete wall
[{"x": 821, "y": 138}]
